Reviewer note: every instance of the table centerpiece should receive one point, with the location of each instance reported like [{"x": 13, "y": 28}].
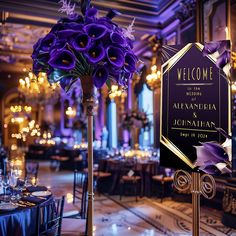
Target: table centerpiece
[{"x": 86, "y": 51}]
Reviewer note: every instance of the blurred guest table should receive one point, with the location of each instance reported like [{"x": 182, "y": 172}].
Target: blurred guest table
[
  {"x": 19, "y": 216},
  {"x": 145, "y": 167}
]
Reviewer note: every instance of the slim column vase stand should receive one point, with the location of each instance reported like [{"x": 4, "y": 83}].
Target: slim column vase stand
[
  {"x": 89, "y": 100},
  {"x": 198, "y": 185},
  {"x": 90, "y": 112}
]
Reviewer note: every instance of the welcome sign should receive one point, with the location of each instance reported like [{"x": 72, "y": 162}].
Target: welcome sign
[{"x": 195, "y": 108}]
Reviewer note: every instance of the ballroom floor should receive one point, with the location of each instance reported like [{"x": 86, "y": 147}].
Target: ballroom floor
[{"x": 146, "y": 217}]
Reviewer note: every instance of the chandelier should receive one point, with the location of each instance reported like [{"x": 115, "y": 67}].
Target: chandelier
[
  {"x": 32, "y": 129},
  {"x": 37, "y": 89},
  {"x": 20, "y": 113},
  {"x": 154, "y": 78},
  {"x": 116, "y": 92}
]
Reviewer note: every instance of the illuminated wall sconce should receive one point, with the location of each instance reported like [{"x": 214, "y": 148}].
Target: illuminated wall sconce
[{"x": 154, "y": 78}]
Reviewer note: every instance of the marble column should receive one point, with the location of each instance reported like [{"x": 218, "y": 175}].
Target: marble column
[
  {"x": 112, "y": 125},
  {"x": 99, "y": 118},
  {"x": 156, "y": 116}
]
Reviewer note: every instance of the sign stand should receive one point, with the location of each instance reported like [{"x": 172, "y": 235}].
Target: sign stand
[{"x": 198, "y": 185}]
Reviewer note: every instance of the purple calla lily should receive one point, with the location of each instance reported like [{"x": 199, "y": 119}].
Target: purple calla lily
[
  {"x": 48, "y": 41},
  {"x": 216, "y": 150},
  {"x": 62, "y": 59},
  {"x": 57, "y": 27},
  {"x": 130, "y": 62},
  {"x": 91, "y": 14},
  {"x": 66, "y": 33},
  {"x": 60, "y": 45},
  {"x": 100, "y": 76},
  {"x": 223, "y": 59},
  {"x": 95, "y": 54},
  {"x": 210, "y": 47},
  {"x": 212, "y": 158},
  {"x": 81, "y": 42},
  {"x": 95, "y": 31},
  {"x": 118, "y": 39},
  {"x": 115, "y": 56},
  {"x": 210, "y": 169},
  {"x": 74, "y": 26}
]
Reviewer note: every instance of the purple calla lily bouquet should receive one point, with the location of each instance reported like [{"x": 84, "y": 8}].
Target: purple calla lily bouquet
[{"x": 85, "y": 46}]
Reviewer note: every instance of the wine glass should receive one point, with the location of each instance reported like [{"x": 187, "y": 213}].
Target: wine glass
[
  {"x": 13, "y": 182},
  {"x": 21, "y": 186},
  {"x": 5, "y": 184}
]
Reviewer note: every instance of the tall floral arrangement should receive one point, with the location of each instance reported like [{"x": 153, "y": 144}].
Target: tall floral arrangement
[
  {"x": 86, "y": 48},
  {"x": 135, "y": 119}
]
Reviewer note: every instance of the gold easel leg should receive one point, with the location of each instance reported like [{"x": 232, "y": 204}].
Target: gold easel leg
[
  {"x": 90, "y": 175},
  {"x": 196, "y": 187},
  {"x": 200, "y": 185}
]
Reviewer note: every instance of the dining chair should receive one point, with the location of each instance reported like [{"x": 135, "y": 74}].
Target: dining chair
[
  {"x": 164, "y": 179},
  {"x": 49, "y": 217},
  {"x": 100, "y": 173},
  {"x": 129, "y": 176},
  {"x": 31, "y": 169},
  {"x": 80, "y": 190}
]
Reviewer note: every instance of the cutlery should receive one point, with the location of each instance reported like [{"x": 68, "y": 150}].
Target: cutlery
[
  {"x": 27, "y": 203},
  {"x": 18, "y": 204}
]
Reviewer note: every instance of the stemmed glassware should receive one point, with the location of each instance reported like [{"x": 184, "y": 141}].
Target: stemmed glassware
[
  {"x": 13, "y": 182},
  {"x": 5, "y": 184}
]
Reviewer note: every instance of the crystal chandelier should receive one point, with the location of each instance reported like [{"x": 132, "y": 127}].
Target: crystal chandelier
[
  {"x": 37, "y": 90},
  {"x": 19, "y": 113}
]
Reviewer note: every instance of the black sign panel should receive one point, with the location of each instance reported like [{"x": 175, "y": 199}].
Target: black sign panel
[{"x": 195, "y": 108}]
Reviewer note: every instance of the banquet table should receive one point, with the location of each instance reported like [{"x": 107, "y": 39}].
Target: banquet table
[
  {"x": 144, "y": 168},
  {"x": 21, "y": 221}
]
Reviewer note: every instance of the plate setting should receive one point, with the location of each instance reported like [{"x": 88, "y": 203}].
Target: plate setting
[
  {"x": 8, "y": 206},
  {"x": 41, "y": 193}
]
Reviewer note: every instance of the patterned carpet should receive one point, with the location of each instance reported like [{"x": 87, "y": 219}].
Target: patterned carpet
[{"x": 147, "y": 217}]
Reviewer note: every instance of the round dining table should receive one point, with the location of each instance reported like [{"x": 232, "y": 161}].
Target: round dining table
[
  {"x": 145, "y": 169},
  {"x": 21, "y": 221}
]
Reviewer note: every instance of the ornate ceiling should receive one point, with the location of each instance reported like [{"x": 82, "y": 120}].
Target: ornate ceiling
[{"x": 23, "y": 22}]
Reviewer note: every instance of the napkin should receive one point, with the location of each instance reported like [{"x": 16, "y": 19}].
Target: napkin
[
  {"x": 32, "y": 199},
  {"x": 36, "y": 188}
]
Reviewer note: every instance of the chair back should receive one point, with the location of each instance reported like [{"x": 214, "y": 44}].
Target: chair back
[
  {"x": 80, "y": 190},
  {"x": 128, "y": 166},
  {"x": 49, "y": 217},
  {"x": 31, "y": 169}
]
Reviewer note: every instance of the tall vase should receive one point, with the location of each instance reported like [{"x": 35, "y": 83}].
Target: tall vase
[{"x": 89, "y": 100}]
